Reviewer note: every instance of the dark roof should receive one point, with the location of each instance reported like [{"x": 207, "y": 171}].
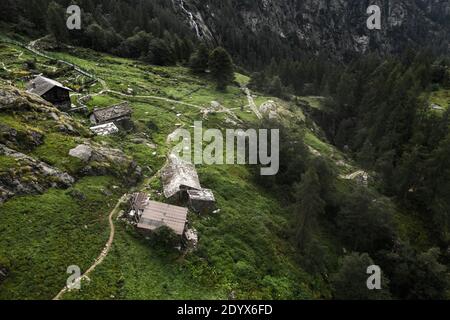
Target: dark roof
[
  {"x": 158, "y": 214},
  {"x": 113, "y": 112},
  {"x": 41, "y": 85},
  {"x": 177, "y": 174}
]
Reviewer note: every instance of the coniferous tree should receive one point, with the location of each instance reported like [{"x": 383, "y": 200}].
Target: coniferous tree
[
  {"x": 309, "y": 205},
  {"x": 364, "y": 223},
  {"x": 199, "y": 59},
  {"x": 160, "y": 53},
  {"x": 221, "y": 67},
  {"x": 350, "y": 282},
  {"x": 56, "y": 24}
]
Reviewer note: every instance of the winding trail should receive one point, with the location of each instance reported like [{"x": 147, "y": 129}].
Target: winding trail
[
  {"x": 251, "y": 102},
  {"x": 32, "y": 48},
  {"x": 150, "y": 97},
  {"x": 105, "y": 88},
  {"x": 104, "y": 252}
]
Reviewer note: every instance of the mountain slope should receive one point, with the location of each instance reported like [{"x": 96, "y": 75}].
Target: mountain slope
[
  {"x": 336, "y": 27},
  {"x": 243, "y": 250}
]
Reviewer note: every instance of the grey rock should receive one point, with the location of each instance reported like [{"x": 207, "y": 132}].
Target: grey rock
[{"x": 82, "y": 152}]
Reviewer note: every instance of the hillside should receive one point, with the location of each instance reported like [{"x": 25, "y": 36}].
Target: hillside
[
  {"x": 283, "y": 237},
  {"x": 47, "y": 228}
]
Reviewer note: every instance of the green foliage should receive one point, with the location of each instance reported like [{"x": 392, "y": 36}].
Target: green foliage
[
  {"x": 165, "y": 238},
  {"x": 199, "y": 60},
  {"x": 349, "y": 283},
  {"x": 416, "y": 275},
  {"x": 56, "y": 24},
  {"x": 55, "y": 151},
  {"x": 160, "y": 53},
  {"x": 221, "y": 67},
  {"x": 365, "y": 224},
  {"x": 44, "y": 234},
  {"x": 309, "y": 206}
]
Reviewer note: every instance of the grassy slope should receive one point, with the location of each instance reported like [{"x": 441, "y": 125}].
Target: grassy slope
[
  {"x": 244, "y": 249},
  {"x": 441, "y": 98},
  {"x": 42, "y": 235}
]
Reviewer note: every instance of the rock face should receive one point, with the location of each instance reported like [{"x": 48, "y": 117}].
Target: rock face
[
  {"x": 334, "y": 26},
  {"x": 269, "y": 108},
  {"x": 31, "y": 108},
  {"x": 26, "y": 175},
  {"x": 101, "y": 160},
  {"x": 24, "y": 138}
]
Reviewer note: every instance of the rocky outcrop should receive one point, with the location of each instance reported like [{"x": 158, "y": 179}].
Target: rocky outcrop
[
  {"x": 21, "y": 174},
  {"x": 194, "y": 18},
  {"x": 29, "y": 109},
  {"x": 337, "y": 27},
  {"x": 25, "y": 139},
  {"x": 270, "y": 109},
  {"x": 102, "y": 160}
]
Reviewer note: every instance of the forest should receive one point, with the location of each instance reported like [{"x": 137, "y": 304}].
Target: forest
[{"x": 376, "y": 110}]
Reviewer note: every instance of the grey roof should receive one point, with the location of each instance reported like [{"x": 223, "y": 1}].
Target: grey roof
[
  {"x": 158, "y": 214},
  {"x": 139, "y": 201},
  {"x": 41, "y": 85},
  {"x": 177, "y": 174},
  {"x": 202, "y": 195},
  {"x": 113, "y": 112}
]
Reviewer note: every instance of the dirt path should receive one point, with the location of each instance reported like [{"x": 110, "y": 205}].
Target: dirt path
[
  {"x": 32, "y": 47},
  {"x": 151, "y": 97},
  {"x": 105, "y": 250},
  {"x": 251, "y": 102},
  {"x": 105, "y": 88}
]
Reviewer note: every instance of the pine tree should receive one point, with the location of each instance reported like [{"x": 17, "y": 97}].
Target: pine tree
[
  {"x": 56, "y": 24},
  {"x": 199, "y": 59},
  {"x": 350, "y": 282},
  {"x": 221, "y": 67},
  {"x": 276, "y": 87},
  {"x": 160, "y": 53},
  {"x": 309, "y": 205}
]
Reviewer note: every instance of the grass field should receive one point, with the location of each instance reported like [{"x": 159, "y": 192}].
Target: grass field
[{"x": 244, "y": 250}]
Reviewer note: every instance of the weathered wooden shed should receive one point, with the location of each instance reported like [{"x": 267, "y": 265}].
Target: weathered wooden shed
[
  {"x": 177, "y": 177},
  {"x": 51, "y": 91},
  {"x": 202, "y": 201}
]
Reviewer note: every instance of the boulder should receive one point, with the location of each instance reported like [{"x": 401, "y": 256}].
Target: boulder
[{"x": 82, "y": 152}]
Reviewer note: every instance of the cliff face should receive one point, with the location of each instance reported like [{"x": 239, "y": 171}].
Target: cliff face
[{"x": 338, "y": 26}]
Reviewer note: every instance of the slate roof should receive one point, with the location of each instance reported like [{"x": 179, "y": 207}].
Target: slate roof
[
  {"x": 113, "y": 112},
  {"x": 41, "y": 85},
  {"x": 157, "y": 214},
  {"x": 177, "y": 174}
]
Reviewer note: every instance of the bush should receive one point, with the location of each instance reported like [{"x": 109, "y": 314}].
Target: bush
[
  {"x": 350, "y": 282},
  {"x": 165, "y": 237}
]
